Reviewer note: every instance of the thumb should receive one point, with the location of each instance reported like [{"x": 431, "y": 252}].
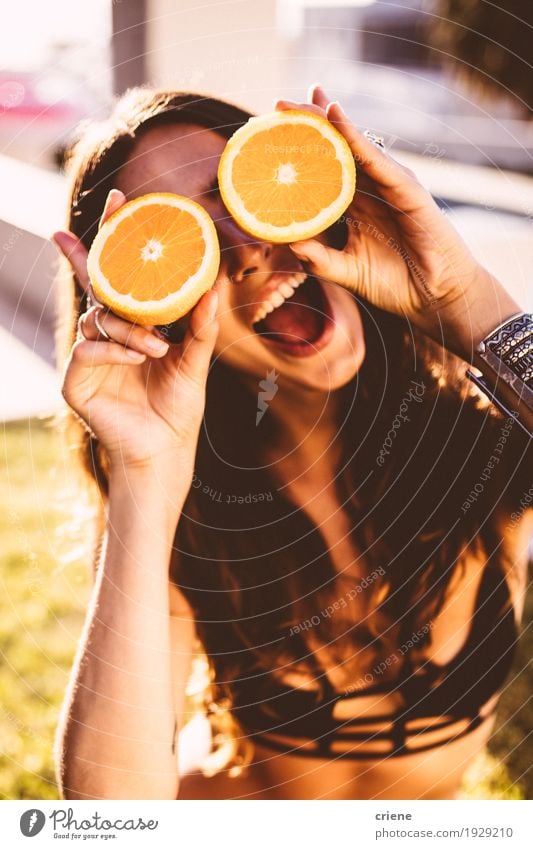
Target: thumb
[
  {"x": 338, "y": 266},
  {"x": 199, "y": 340}
]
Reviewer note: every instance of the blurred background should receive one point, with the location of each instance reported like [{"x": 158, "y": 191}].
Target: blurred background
[{"x": 448, "y": 83}]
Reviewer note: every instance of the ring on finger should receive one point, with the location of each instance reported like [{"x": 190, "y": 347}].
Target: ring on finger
[
  {"x": 81, "y": 334},
  {"x": 98, "y": 324},
  {"x": 92, "y": 300},
  {"x": 376, "y": 140}
]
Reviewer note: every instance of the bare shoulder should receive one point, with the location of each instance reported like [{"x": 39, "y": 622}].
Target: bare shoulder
[
  {"x": 515, "y": 531},
  {"x": 451, "y": 626}
]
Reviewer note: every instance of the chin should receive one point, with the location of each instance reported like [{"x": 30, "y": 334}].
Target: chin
[{"x": 331, "y": 369}]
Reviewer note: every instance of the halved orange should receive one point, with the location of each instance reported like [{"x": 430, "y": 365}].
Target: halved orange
[
  {"x": 154, "y": 258},
  {"x": 286, "y": 176}
]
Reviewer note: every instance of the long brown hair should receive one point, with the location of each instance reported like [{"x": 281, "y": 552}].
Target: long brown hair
[{"x": 415, "y": 440}]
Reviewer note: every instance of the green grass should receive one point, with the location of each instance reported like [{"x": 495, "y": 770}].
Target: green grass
[
  {"x": 43, "y": 597},
  {"x": 45, "y": 573}
]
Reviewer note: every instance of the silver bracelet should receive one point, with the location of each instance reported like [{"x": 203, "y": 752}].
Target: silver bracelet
[{"x": 508, "y": 353}]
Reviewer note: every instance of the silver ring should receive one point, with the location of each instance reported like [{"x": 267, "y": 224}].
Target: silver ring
[
  {"x": 376, "y": 140},
  {"x": 103, "y": 332},
  {"x": 92, "y": 300}
]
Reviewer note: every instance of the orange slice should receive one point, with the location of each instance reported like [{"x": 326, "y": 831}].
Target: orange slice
[
  {"x": 154, "y": 258},
  {"x": 286, "y": 176}
]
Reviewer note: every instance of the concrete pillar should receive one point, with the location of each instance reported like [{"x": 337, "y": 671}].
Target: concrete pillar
[
  {"x": 230, "y": 48},
  {"x": 128, "y": 58}
]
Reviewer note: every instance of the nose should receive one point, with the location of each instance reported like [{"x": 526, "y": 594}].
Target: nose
[{"x": 241, "y": 254}]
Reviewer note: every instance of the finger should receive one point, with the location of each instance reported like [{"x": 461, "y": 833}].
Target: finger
[
  {"x": 318, "y": 96},
  {"x": 200, "y": 338},
  {"x": 115, "y": 200},
  {"x": 88, "y": 354},
  {"x": 87, "y": 324},
  {"x": 75, "y": 251},
  {"x": 83, "y": 330},
  {"x": 132, "y": 336},
  {"x": 378, "y": 165},
  {"x": 321, "y": 106},
  {"x": 284, "y": 105},
  {"x": 326, "y": 262}
]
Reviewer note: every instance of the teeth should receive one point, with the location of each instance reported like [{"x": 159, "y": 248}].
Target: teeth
[
  {"x": 277, "y": 298},
  {"x": 284, "y": 291}
]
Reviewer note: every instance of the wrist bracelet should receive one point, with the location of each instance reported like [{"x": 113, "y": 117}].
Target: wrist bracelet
[{"x": 508, "y": 353}]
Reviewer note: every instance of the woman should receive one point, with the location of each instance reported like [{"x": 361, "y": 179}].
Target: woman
[{"x": 300, "y": 494}]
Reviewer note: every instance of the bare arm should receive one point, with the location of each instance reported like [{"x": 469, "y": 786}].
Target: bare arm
[
  {"x": 145, "y": 406},
  {"x": 116, "y": 737}
]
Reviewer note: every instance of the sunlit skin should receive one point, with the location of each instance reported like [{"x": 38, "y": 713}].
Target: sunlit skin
[
  {"x": 152, "y": 444},
  {"x": 184, "y": 159}
]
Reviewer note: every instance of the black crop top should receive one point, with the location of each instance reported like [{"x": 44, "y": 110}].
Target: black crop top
[{"x": 444, "y": 698}]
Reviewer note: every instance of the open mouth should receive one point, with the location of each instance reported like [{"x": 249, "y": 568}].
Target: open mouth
[{"x": 302, "y": 324}]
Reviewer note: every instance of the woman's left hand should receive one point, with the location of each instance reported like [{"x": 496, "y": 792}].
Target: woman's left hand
[{"x": 402, "y": 254}]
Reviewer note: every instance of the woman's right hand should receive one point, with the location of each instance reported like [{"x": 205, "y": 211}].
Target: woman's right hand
[{"x": 145, "y": 404}]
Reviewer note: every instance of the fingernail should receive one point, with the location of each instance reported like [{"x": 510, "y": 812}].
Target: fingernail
[
  {"x": 338, "y": 107},
  {"x": 108, "y": 201},
  {"x": 314, "y": 88},
  {"x": 135, "y": 355},
  {"x": 60, "y": 239},
  {"x": 65, "y": 243},
  {"x": 300, "y": 251}
]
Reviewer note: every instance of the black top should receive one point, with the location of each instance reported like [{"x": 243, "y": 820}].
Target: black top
[{"x": 448, "y": 698}]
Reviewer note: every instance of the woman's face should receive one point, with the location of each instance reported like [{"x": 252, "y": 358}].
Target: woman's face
[{"x": 313, "y": 338}]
